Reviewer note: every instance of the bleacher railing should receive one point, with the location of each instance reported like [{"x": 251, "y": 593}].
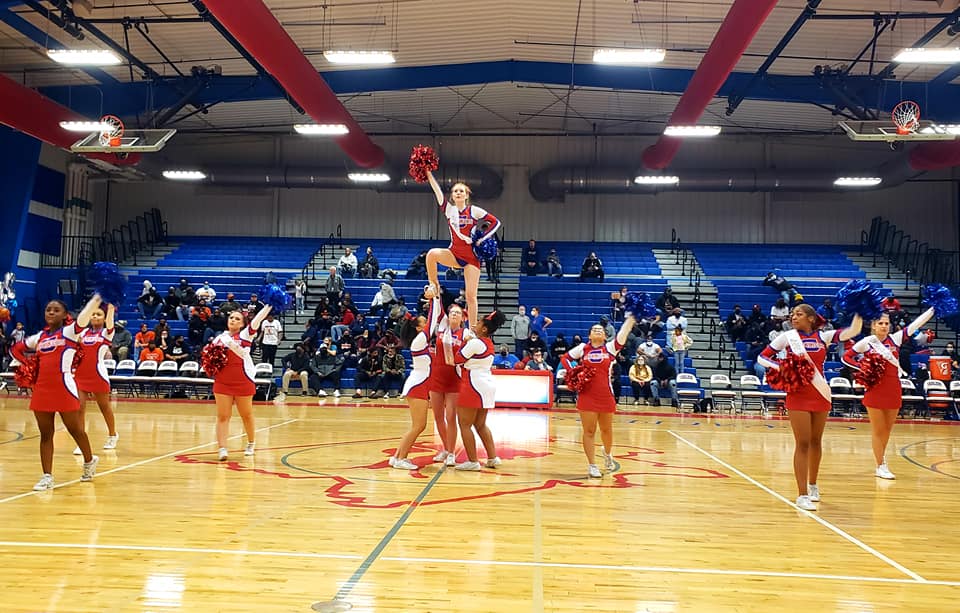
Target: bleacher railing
[
  {"x": 137, "y": 236},
  {"x": 908, "y": 255}
]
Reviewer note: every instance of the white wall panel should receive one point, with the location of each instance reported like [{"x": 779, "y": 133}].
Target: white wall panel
[{"x": 924, "y": 208}]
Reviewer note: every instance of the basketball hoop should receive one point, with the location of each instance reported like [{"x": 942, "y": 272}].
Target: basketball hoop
[
  {"x": 112, "y": 133},
  {"x": 906, "y": 116}
]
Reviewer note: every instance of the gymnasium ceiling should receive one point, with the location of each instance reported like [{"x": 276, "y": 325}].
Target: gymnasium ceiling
[{"x": 493, "y": 66}]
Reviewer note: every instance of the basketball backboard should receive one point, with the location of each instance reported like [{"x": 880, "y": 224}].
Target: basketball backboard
[
  {"x": 131, "y": 141},
  {"x": 886, "y": 131}
]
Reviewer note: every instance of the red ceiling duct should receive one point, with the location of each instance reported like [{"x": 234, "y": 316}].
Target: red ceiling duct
[
  {"x": 731, "y": 41},
  {"x": 26, "y": 110},
  {"x": 935, "y": 156},
  {"x": 252, "y": 23}
]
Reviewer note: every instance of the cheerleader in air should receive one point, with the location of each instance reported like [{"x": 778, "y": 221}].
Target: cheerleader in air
[
  {"x": 595, "y": 400},
  {"x": 91, "y": 375},
  {"x": 415, "y": 334},
  {"x": 55, "y": 390},
  {"x": 883, "y": 396},
  {"x": 462, "y": 218},
  {"x": 809, "y": 404},
  {"x": 477, "y": 391}
]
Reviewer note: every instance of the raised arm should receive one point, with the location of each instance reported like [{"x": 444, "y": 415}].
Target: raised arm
[
  {"x": 258, "y": 319},
  {"x": 437, "y": 190},
  {"x": 83, "y": 317},
  {"x": 919, "y": 322},
  {"x": 625, "y": 328},
  {"x": 111, "y": 312},
  {"x": 855, "y": 326}
]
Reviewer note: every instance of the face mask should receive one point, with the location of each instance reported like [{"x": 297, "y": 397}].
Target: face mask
[{"x": 503, "y": 353}]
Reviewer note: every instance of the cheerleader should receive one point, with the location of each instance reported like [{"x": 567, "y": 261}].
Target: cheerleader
[
  {"x": 808, "y": 407},
  {"x": 55, "y": 390},
  {"x": 595, "y": 401},
  {"x": 233, "y": 384},
  {"x": 462, "y": 218},
  {"x": 91, "y": 375},
  {"x": 883, "y": 399},
  {"x": 415, "y": 333},
  {"x": 444, "y": 382},
  {"x": 477, "y": 391}
]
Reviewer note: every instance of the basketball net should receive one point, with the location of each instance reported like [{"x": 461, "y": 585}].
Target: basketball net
[
  {"x": 906, "y": 116},
  {"x": 111, "y": 135}
]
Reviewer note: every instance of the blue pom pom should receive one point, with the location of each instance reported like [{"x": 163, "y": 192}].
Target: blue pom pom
[
  {"x": 488, "y": 249},
  {"x": 107, "y": 281},
  {"x": 276, "y": 296},
  {"x": 641, "y": 305},
  {"x": 861, "y": 297},
  {"x": 940, "y": 298}
]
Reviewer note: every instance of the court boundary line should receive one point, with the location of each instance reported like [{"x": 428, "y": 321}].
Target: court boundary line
[
  {"x": 457, "y": 561},
  {"x": 142, "y": 462},
  {"x": 835, "y": 529}
]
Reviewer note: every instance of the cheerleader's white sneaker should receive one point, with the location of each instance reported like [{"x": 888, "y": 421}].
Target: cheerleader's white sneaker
[
  {"x": 89, "y": 469},
  {"x": 404, "y": 464},
  {"x": 593, "y": 471},
  {"x": 805, "y": 503},
  {"x": 45, "y": 483},
  {"x": 813, "y": 492},
  {"x": 884, "y": 473},
  {"x": 111, "y": 442}
]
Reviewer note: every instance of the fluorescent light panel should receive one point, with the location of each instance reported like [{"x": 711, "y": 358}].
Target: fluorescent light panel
[
  {"x": 921, "y": 55},
  {"x": 656, "y": 180},
  {"x": 323, "y": 129},
  {"x": 368, "y": 177},
  {"x": 359, "y": 57},
  {"x": 184, "y": 175},
  {"x": 942, "y": 129},
  {"x": 692, "y": 131},
  {"x": 628, "y": 56},
  {"x": 83, "y": 57},
  {"x": 858, "y": 181},
  {"x": 85, "y": 126}
]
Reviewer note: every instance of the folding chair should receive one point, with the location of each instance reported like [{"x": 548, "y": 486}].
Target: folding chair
[
  {"x": 167, "y": 373},
  {"x": 145, "y": 374},
  {"x": 842, "y": 392},
  {"x": 722, "y": 393},
  {"x": 110, "y": 365},
  {"x": 750, "y": 393},
  {"x": 955, "y": 394},
  {"x": 263, "y": 377},
  {"x": 688, "y": 390},
  {"x": 122, "y": 376},
  {"x": 937, "y": 396},
  {"x": 911, "y": 397},
  {"x": 190, "y": 371}
]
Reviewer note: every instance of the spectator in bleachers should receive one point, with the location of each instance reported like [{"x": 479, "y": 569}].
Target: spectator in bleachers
[
  {"x": 648, "y": 325},
  {"x": 394, "y": 367},
  {"x": 558, "y": 347},
  {"x": 951, "y": 352},
  {"x": 327, "y": 366},
  {"x": 779, "y": 313},
  {"x": 667, "y": 302},
  {"x": 196, "y": 328},
  {"x": 170, "y": 303},
  {"x": 680, "y": 343},
  {"x": 756, "y": 317},
  {"x": 122, "y": 340},
  {"x": 592, "y": 267},
  {"x": 537, "y": 362},
  {"x": 150, "y": 304},
  {"x": 538, "y": 322},
  {"x": 369, "y": 372},
  {"x": 342, "y": 325},
  {"x": 347, "y": 264},
  {"x": 650, "y": 350},
  {"x": 215, "y": 325},
  {"x": 531, "y": 259},
  {"x": 347, "y": 349},
  {"x": 608, "y": 329},
  {"x": 334, "y": 288},
  {"x": 163, "y": 341},
  {"x": 161, "y": 326},
  {"x": 617, "y": 367},
  {"x": 383, "y": 300},
  {"x": 736, "y": 324},
  {"x": 229, "y": 305},
  {"x": 324, "y": 319},
  {"x": 553, "y": 266},
  {"x": 618, "y": 301},
  {"x": 504, "y": 359},
  {"x": 363, "y": 341},
  {"x": 828, "y": 312},
  {"x": 187, "y": 297},
  {"x": 300, "y": 295},
  {"x": 370, "y": 267},
  {"x": 151, "y": 353},
  {"x": 777, "y": 282},
  {"x": 418, "y": 267},
  {"x": 359, "y": 325},
  {"x": 640, "y": 375},
  {"x": 675, "y": 320},
  {"x": 389, "y": 339},
  {"x": 664, "y": 376},
  {"x": 494, "y": 265},
  {"x": 891, "y": 304},
  {"x": 271, "y": 333},
  {"x": 207, "y": 293},
  {"x": 177, "y": 351},
  {"x": 398, "y": 312},
  {"x": 201, "y": 310},
  {"x": 520, "y": 330},
  {"x": 535, "y": 343},
  {"x": 309, "y": 336},
  {"x": 254, "y": 306},
  {"x": 296, "y": 364},
  {"x": 143, "y": 338}
]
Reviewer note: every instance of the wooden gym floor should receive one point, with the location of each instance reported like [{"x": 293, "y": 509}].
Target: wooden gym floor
[{"x": 698, "y": 516}]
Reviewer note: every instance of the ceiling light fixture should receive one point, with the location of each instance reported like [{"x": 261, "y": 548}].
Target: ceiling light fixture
[
  {"x": 692, "y": 131},
  {"x": 656, "y": 180},
  {"x": 322, "y": 129},
  {"x": 359, "y": 57},
  {"x": 858, "y": 181},
  {"x": 86, "y": 126},
  {"x": 628, "y": 57},
  {"x": 184, "y": 175},
  {"x": 83, "y": 57},
  {"x": 368, "y": 177},
  {"x": 922, "y": 55}
]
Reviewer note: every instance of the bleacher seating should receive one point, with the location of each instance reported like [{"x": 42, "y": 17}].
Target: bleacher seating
[
  {"x": 791, "y": 261},
  {"x": 240, "y": 252},
  {"x": 618, "y": 258}
]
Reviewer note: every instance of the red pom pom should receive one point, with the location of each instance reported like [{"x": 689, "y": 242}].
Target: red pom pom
[
  {"x": 872, "y": 368},
  {"x": 578, "y": 377},
  {"x": 422, "y": 159},
  {"x": 214, "y": 358},
  {"x": 77, "y": 358},
  {"x": 795, "y": 373},
  {"x": 26, "y": 374}
]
